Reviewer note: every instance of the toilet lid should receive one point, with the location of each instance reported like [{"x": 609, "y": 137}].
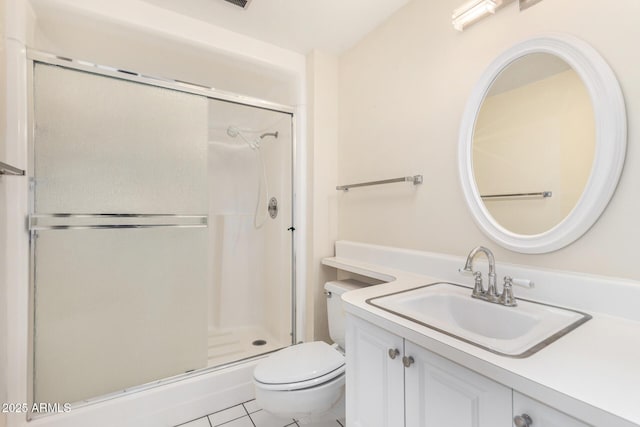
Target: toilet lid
[{"x": 309, "y": 363}]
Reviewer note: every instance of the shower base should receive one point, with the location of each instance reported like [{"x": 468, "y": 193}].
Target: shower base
[{"x": 229, "y": 345}]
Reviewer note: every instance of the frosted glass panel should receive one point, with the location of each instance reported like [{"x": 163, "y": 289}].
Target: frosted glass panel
[
  {"x": 117, "y": 308},
  {"x": 104, "y": 145}
]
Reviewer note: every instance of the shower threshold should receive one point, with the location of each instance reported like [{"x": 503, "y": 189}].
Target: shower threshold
[{"x": 229, "y": 345}]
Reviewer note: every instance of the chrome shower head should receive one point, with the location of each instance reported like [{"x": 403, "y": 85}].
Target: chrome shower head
[
  {"x": 233, "y": 131},
  {"x": 273, "y": 134}
]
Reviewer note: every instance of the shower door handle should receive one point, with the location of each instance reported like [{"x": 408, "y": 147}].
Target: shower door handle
[{"x": 113, "y": 221}]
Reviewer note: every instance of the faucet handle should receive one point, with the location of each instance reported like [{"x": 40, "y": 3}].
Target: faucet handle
[
  {"x": 525, "y": 283},
  {"x": 478, "y": 289},
  {"x": 507, "y": 298}
]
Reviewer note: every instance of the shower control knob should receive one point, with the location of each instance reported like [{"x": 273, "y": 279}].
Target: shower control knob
[
  {"x": 523, "y": 420},
  {"x": 393, "y": 353}
]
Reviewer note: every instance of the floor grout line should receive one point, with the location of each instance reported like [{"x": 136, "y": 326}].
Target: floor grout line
[
  {"x": 247, "y": 414},
  {"x": 195, "y": 419},
  {"x": 228, "y": 421},
  {"x": 247, "y": 411}
]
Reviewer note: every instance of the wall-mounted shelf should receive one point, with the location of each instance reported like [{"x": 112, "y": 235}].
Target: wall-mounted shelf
[
  {"x": 541, "y": 194},
  {"x": 6, "y": 169},
  {"x": 416, "y": 179}
]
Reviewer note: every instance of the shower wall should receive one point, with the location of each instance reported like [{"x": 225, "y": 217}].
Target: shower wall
[{"x": 250, "y": 286}]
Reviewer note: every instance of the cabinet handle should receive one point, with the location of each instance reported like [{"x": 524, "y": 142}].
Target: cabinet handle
[
  {"x": 393, "y": 353},
  {"x": 407, "y": 361},
  {"x": 523, "y": 420}
]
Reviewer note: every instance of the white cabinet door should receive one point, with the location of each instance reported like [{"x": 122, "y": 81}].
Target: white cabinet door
[
  {"x": 541, "y": 415},
  {"x": 440, "y": 393},
  {"x": 375, "y": 380}
]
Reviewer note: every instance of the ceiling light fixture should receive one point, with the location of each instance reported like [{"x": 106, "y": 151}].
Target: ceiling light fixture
[
  {"x": 240, "y": 3},
  {"x": 524, "y": 4},
  {"x": 472, "y": 11}
]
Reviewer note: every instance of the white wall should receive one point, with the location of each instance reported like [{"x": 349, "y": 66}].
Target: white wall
[
  {"x": 3, "y": 221},
  {"x": 403, "y": 90},
  {"x": 322, "y": 89},
  {"x": 3, "y": 79},
  {"x": 13, "y": 191},
  {"x": 135, "y": 35}
]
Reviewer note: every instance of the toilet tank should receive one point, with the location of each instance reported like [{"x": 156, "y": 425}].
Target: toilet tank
[{"x": 335, "y": 312}]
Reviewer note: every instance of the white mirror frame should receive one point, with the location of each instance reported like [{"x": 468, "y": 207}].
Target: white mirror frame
[{"x": 610, "y": 147}]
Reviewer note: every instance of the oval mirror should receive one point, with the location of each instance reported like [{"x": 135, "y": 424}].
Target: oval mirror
[{"x": 542, "y": 144}]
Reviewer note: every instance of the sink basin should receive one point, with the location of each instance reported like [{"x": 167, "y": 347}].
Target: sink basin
[{"x": 509, "y": 331}]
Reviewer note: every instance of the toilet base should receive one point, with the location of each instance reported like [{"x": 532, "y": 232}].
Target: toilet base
[
  {"x": 335, "y": 413},
  {"x": 310, "y": 404}
]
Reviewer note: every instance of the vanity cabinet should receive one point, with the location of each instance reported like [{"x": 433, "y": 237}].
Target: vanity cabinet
[
  {"x": 392, "y": 382},
  {"x": 375, "y": 376}
]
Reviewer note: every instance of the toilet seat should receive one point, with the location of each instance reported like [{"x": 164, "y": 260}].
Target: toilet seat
[
  {"x": 337, "y": 374},
  {"x": 300, "y": 366}
]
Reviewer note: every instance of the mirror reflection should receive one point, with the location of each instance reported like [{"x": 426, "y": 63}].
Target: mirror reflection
[{"x": 534, "y": 134}]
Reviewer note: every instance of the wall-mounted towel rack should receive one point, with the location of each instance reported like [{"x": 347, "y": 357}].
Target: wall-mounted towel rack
[
  {"x": 542, "y": 194},
  {"x": 6, "y": 169},
  {"x": 416, "y": 179}
]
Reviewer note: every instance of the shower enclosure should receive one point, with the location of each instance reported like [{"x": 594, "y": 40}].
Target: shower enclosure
[{"x": 161, "y": 230}]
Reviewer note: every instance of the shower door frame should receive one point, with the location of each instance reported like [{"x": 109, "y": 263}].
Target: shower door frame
[{"x": 33, "y": 57}]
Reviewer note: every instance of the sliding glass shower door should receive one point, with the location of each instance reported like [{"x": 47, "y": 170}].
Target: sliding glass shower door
[
  {"x": 153, "y": 251},
  {"x": 120, "y": 264}
]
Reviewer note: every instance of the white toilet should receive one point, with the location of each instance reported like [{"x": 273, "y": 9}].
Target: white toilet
[{"x": 306, "y": 381}]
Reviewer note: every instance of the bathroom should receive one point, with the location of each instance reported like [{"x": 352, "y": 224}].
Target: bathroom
[{"x": 384, "y": 104}]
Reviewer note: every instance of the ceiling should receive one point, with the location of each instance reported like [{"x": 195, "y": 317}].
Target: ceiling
[{"x": 299, "y": 25}]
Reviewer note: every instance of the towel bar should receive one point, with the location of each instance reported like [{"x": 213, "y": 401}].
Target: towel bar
[{"x": 416, "y": 179}]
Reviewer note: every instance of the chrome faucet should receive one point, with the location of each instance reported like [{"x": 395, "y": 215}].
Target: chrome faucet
[{"x": 491, "y": 293}]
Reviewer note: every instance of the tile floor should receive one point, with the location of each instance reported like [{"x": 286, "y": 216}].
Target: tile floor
[{"x": 248, "y": 414}]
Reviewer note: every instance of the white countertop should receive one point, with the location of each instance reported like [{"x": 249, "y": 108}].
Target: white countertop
[{"x": 592, "y": 374}]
